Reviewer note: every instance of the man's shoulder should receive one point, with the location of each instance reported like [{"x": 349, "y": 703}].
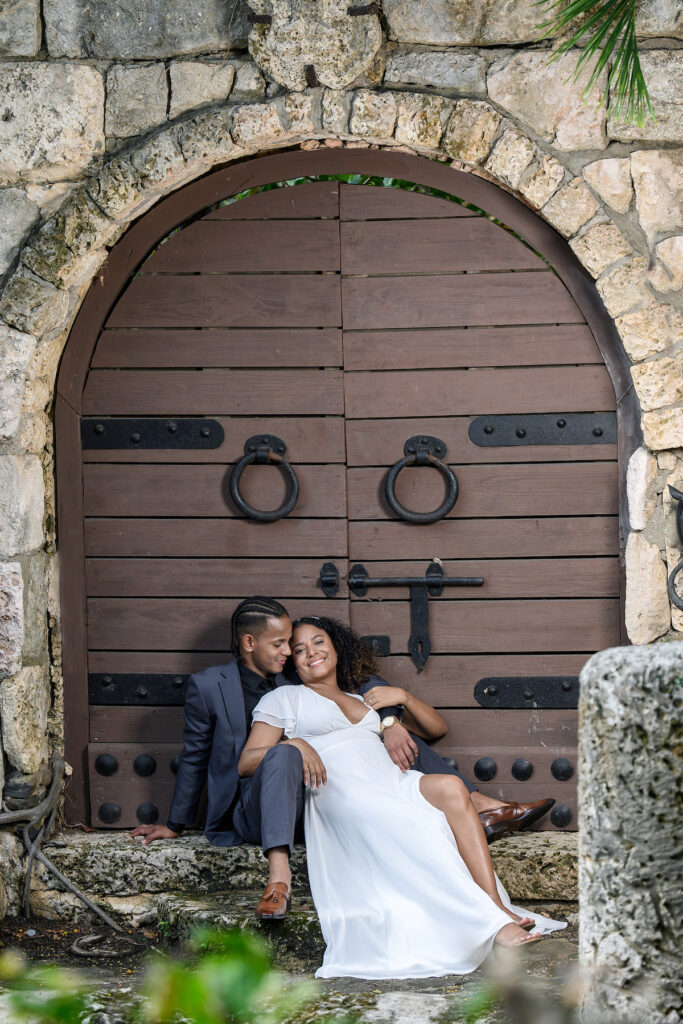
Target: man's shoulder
[
  {"x": 372, "y": 681},
  {"x": 209, "y": 676}
]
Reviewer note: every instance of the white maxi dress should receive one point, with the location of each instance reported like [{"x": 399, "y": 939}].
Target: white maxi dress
[{"x": 393, "y": 894}]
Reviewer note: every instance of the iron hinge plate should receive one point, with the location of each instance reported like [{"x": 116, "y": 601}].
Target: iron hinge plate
[
  {"x": 527, "y": 691},
  {"x": 544, "y": 428},
  {"x": 151, "y": 432}
]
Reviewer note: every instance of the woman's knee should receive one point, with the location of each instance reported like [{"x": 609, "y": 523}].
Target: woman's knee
[{"x": 445, "y": 791}]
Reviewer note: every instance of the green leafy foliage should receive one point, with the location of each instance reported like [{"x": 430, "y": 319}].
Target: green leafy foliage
[{"x": 606, "y": 30}]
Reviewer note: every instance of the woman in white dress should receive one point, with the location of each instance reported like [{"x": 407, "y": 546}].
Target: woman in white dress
[{"x": 402, "y": 889}]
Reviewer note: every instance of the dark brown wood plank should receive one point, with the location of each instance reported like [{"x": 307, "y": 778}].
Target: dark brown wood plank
[
  {"x": 129, "y": 349},
  {"x": 521, "y": 297},
  {"x": 550, "y": 728},
  {"x": 464, "y": 244},
  {"x": 225, "y": 247},
  {"x": 212, "y": 392},
  {"x": 135, "y": 725},
  {"x": 541, "y": 757},
  {"x": 310, "y": 200},
  {"x": 492, "y": 491},
  {"x": 311, "y": 439},
  {"x": 320, "y": 538},
  {"x": 191, "y": 624},
  {"x": 447, "y": 681},
  {"x": 238, "y": 300},
  {"x": 508, "y": 578},
  {"x": 151, "y": 662},
  {"x": 461, "y": 627},
  {"x": 368, "y": 441},
  {"x": 129, "y": 797},
  {"x": 478, "y": 392},
  {"x": 470, "y": 346},
  {"x": 206, "y": 577},
  {"x": 182, "y": 490},
  {"x": 358, "y": 202},
  {"x": 125, "y": 754},
  {"x": 486, "y": 538}
]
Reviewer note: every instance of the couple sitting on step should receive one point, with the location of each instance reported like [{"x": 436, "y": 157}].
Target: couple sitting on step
[{"x": 396, "y": 840}]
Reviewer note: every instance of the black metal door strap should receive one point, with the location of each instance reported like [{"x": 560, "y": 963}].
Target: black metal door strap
[
  {"x": 421, "y": 588},
  {"x": 151, "y": 432},
  {"x": 130, "y": 688},
  {"x": 261, "y": 450},
  {"x": 422, "y": 450},
  {"x": 544, "y": 428},
  {"x": 673, "y": 595},
  {"x": 527, "y": 692}
]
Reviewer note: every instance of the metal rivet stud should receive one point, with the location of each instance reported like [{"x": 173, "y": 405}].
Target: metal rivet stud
[
  {"x": 562, "y": 769},
  {"x": 172, "y": 428},
  {"x": 566, "y": 685},
  {"x": 136, "y": 438},
  {"x": 560, "y": 816},
  {"x": 485, "y": 769},
  {"x": 597, "y": 431},
  {"x": 106, "y": 764},
  {"x": 561, "y": 423},
  {"x": 205, "y": 432},
  {"x": 522, "y": 769},
  {"x": 492, "y": 690},
  {"x": 142, "y": 692},
  {"x": 144, "y": 764},
  {"x": 521, "y": 432},
  {"x": 488, "y": 429},
  {"x": 177, "y": 681},
  {"x": 528, "y": 694},
  {"x": 107, "y": 681},
  {"x": 147, "y": 814},
  {"x": 109, "y": 812},
  {"x": 99, "y": 429}
]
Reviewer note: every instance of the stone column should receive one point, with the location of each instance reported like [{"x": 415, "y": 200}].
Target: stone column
[{"x": 631, "y": 840}]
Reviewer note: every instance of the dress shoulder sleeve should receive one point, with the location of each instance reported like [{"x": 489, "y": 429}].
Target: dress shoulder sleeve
[{"x": 279, "y": 708}]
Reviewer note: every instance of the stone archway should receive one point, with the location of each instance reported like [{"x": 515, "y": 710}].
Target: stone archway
[{"x": 61, "y": 261}]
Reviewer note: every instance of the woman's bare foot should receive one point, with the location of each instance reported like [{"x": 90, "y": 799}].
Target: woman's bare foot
[
  {"x": 513, "y": 935},
  {"x": 523, "y": 922}
]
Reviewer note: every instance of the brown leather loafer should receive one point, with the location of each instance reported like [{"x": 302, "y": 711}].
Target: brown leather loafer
[
  {"x": 274, "y": 903},
  {"x": 512, "y": 817}
]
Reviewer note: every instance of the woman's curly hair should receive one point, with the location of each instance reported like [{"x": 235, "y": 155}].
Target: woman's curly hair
[{"x": 356, "y": 662}]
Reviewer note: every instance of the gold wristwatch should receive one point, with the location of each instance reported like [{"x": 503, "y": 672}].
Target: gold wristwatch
[{"x": 387, "y": 722}]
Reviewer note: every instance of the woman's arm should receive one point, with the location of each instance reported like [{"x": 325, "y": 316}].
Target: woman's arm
[
  {"x": 419, "y": 717},
  {"x": 261, "y": 738}
]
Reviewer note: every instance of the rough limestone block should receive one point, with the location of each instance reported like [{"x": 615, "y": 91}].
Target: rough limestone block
[
  {"x": 11, "y": 618},
  {"x": 543, "y": 181},
  {"x": 650, "y": 330},
  {"x": 147, "y": 28},
  {"x": 445, "y": 22},
  {"x": 249, "y": 85},
  {"x": 137, "y": 96},
  {"x": 623, "y": 288},
  {"x": 303, "y": 112},
  {"x": 511, "y": 156},
  {"x": 373, "y": 115},
  {"x": 195, "y": 84},
  {"x": 647, "y": 611},
  {"x": 320, "y": 36},
  {"x": 658, "y": 181},
  {"x": 24, "y": 705},
  {"x": 16, "y": 352},
  {"x": 256, "y": 124},
  {"x": 117, "y": 189},
  {"x": 640, "y": 487},
  {"x": 336, "y": 108},
  {"x": 21, "y": 504},
  {"x": 538, "y": 95},
  {"x": 667, "y": 273},
  {"x": 663, "y": 72},
  {"x": 159, "y": 163},
  {"x": 50, "y": 121},
  {"x": 441, "y": 69},
  {"x": 631, "y": 842},
  {"x": 663, "y": 429},
  {"x": 20, "y": 28},
  {"x": 421, "y": 120},
  {"x": 600, "y": 247},
  {"x": 17, "y": 216},
  {"x": 206, "y": 140},
  {"x": 611, "y": 179},
  {"x": 659, "y": 382},
  {"x": 471, "y": 131},
  {"x": 571, "y": 207},
  {"x": 659, "y": 18},
  {"x": 33, "y": 306},
  {"x": 35, "y": 570}
]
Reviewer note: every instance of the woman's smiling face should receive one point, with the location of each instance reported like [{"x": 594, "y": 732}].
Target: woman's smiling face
[{"x": 313, "y": 653}]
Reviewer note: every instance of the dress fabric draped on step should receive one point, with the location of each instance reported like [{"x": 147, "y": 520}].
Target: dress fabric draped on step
[{"x": 393, "y": 894}]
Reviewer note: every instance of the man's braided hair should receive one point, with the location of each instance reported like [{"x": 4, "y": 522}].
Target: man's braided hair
[
  {"x": 356, "y": 661},
  {"x": 253, "y": 613}
]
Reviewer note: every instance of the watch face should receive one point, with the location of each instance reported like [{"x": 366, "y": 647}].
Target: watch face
[{"x": 389, "y": 720}]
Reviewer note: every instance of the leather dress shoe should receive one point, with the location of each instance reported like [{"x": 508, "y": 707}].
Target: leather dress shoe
[
  {"x": 274, "y": 903},
  {"x": 512, "y": 817}
]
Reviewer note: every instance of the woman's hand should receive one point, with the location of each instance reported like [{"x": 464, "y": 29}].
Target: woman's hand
[
  {"x": 385, "y": 697},
  {"x": 314, "y": 770}
]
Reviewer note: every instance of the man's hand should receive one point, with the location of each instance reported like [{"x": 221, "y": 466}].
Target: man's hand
[
  {"x": 385, "y": 697},
  {"x": 401, "y": 747},
  {"x": 314, "y": 770},
  {"x": 152, "y": 832}
]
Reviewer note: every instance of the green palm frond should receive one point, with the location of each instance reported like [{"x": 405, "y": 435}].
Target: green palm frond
[{"x": 607, "y": 30}]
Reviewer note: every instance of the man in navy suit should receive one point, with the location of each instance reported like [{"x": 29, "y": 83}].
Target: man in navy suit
[{"x": 266, "y": 808}]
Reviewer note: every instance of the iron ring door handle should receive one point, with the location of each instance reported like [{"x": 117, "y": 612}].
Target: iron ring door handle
[
  {"x": 263, "y": 449},
  {"x": 422, "y": 451}
]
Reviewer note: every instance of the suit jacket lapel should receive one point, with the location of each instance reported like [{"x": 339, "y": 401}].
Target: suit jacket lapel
[{"x": 233, "y": 699}]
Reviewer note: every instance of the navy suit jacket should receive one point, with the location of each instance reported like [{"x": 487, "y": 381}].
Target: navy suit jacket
[{"x": 214, "y": 736}]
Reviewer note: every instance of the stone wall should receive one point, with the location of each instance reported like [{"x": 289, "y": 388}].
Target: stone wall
[{"x": 105, "y": 109}]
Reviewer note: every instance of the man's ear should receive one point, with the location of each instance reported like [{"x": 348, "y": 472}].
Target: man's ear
[{"x": 247, "y": 642}]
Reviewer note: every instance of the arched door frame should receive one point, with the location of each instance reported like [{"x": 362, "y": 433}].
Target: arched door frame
[{"x": 125, "y": 258}]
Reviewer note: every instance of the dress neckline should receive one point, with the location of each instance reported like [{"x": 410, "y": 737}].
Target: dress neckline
[{"x": 322, "y": 695}]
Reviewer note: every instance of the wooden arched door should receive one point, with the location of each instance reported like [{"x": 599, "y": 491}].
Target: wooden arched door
[{"x": 343, "y": 319}]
